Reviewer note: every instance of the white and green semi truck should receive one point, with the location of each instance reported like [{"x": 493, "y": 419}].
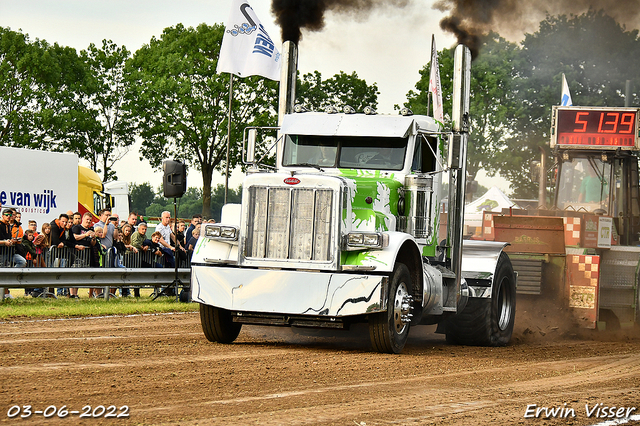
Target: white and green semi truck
[{"x": 345, "y": 230}]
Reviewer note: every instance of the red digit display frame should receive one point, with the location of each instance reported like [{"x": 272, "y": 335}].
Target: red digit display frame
[{"x": 587, "y": 127}]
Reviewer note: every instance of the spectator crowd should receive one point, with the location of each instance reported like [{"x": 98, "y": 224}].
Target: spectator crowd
[{"x": 74, "y": 240}]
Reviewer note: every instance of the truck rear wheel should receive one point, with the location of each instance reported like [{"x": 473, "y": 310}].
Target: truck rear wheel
[
  {"x": 488, "y": 322},
  {"x": 218, "y": 325},
  {"x": 389, "y": 330}
]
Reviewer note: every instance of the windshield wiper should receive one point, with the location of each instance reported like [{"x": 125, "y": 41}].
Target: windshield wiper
[{"x": 315, "y": 166}]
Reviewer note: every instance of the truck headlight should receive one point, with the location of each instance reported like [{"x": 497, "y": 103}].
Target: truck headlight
[
  {"x": 221, "y": 232},
  {"x": 367, "y": 239}
]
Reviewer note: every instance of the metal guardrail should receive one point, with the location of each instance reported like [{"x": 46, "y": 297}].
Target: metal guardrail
[
  {"x": 67, "y": 268},
  {"x": 91, "y": 278}
]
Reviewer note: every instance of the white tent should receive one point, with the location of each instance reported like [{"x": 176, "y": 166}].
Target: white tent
[{"x": 493, "y": 200}]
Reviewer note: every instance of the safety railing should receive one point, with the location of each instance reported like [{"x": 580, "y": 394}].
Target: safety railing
[
  {"x": 68, "y": 267},
  {"x": 66, "y": 257}
]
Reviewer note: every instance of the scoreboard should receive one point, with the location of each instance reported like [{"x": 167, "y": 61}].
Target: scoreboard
[{"x": 595, "y": 128}]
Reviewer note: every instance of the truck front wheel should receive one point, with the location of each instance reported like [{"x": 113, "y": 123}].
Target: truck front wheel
[
  {"x": 488, "y": 322},
  {"x": 218, "y": 325},
  {"x": 389, "y": 330}
]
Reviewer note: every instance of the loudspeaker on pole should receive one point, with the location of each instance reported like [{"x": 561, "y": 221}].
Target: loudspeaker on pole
[{"x": 174, "y": 182}]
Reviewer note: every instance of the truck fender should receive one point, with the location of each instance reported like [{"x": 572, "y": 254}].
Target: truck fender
[
  {"x": 402, "y": 248},
  {"x": 479, "y": 261}
]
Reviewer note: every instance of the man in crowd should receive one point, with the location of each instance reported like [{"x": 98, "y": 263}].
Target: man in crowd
[
  {"x": 167, "y": 236},
  {"x": 132, "y": 220},
  {"x": 138, "y": 237},
  {"x": 60, "y": 238},
  {"x": 6, "y": 241},
  {"x": 85, "y": 236},
  {"x": 58, "y": 229},
  {"x": 196, "y": 220},
  {"x": 16, "y": 225},
  {"x": 107, "y": 233},
  {"x": 77, "y": 219}
]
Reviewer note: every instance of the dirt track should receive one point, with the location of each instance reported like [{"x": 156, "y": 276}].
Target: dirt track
[{"x": 165, "y": 371}]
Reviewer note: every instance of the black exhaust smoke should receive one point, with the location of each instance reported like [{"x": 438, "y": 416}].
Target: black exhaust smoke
[
  {"x": 294, "y": 15},
  {"x": 471, "y": 20}
]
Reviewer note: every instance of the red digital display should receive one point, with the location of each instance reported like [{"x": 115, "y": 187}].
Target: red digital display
[{"x": 597, "y": 127}]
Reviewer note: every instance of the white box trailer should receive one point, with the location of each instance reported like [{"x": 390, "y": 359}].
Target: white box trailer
[
  {"x": 43, "y": 184},
  {"x": 39, "y": 184}
]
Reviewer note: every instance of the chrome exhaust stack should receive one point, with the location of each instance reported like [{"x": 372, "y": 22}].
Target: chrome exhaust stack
[
  {"x": 287, "y": 96},
  {"x": 458, "y": 162}
]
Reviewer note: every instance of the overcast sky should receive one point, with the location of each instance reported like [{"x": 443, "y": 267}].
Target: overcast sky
[{"x": 385, "y": 46}]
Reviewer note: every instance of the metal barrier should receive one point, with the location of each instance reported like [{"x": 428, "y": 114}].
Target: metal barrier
[
  {"x": 66, "y": 267},
  {"x": 90, "y": 277},
  {"x": 66, "y": 257},
  {"x": 6, "y": 257}
]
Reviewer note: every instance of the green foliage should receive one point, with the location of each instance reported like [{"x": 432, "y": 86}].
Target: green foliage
[
  {"x": 38, "y": 83},
  {"x": 181, "y": 103},
  {"x": 142, "y": 195},
  {"x": 597, "y": 56},
  {"x": 513, "y": 88},
  {"x": 109, "y": 132},
  {"x": 492, "y": 76},
  {"x": 342, "y": 89},
  {"x": 19, "y": 84},
  {"x": 51, "y": 98},
  {"x": 190, "y": 203}
]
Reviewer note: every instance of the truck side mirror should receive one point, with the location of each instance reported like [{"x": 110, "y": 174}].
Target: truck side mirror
[{"x": 251, "y": 145}]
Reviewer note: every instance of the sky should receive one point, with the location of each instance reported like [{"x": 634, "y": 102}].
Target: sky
[{"x": 385, "y": 46}]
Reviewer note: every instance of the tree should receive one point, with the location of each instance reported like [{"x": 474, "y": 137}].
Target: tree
[
  {"x": 190, "y": 203},
  {"x": 18, "y": 86},
  {"x": 340, "y": 90},
  {"x": 597, "y": 56},
  {"x": 108, "y": 133},
  {"x": 142, "y": 195},
  {"x": 492, "y": 97},
  {"x": 513, "y": 88},
  {"x": 182, "y": 104},
  {"x": 38, "y": 84},
  {"x": 217, "y": 200}
]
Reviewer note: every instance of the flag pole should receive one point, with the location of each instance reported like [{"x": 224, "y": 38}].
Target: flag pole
[
  {"x": 226, "y": 175},
  {"x": 429, "y": 94}
]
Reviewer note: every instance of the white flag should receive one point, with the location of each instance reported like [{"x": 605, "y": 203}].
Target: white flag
[
  {"x": 246, "y": 47},
  {"x": 434, "y": 83},
  {"x": 566, "y": 95}
]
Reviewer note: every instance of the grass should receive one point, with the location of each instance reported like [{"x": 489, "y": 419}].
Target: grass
[{"x": 27, "y": 307}]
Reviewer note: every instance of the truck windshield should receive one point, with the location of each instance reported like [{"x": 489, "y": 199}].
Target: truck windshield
[
  {"x": 345, "y": 151},
  {"x": 583, "y": 184}
]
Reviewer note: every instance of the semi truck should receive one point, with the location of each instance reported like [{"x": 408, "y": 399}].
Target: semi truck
[
  {"x": 43, "y": 184},
  {"x": 345, "y": 230},
  {"x": 582, "y": 251}
]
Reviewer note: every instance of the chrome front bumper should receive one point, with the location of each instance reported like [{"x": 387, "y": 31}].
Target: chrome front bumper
[{"x": 288, "y": 292}]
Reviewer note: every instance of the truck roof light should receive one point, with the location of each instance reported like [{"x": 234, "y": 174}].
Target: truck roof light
[
  {"x": 406, "y": 112},
  {"x": 348, "y": 109},
  {"x": 369, "y": 110},
  {"x": 299, "y": 108},
  {"x": 331, "y": 109}
]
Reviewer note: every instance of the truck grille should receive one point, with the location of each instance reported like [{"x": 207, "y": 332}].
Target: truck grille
[{"x": 289, "y": 223}]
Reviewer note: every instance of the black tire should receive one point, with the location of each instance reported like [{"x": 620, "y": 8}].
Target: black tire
[
  {"x": 387, "y": 330},
  {"x": 488, "y": 322},
  {"x": 218, "y": 325}
]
